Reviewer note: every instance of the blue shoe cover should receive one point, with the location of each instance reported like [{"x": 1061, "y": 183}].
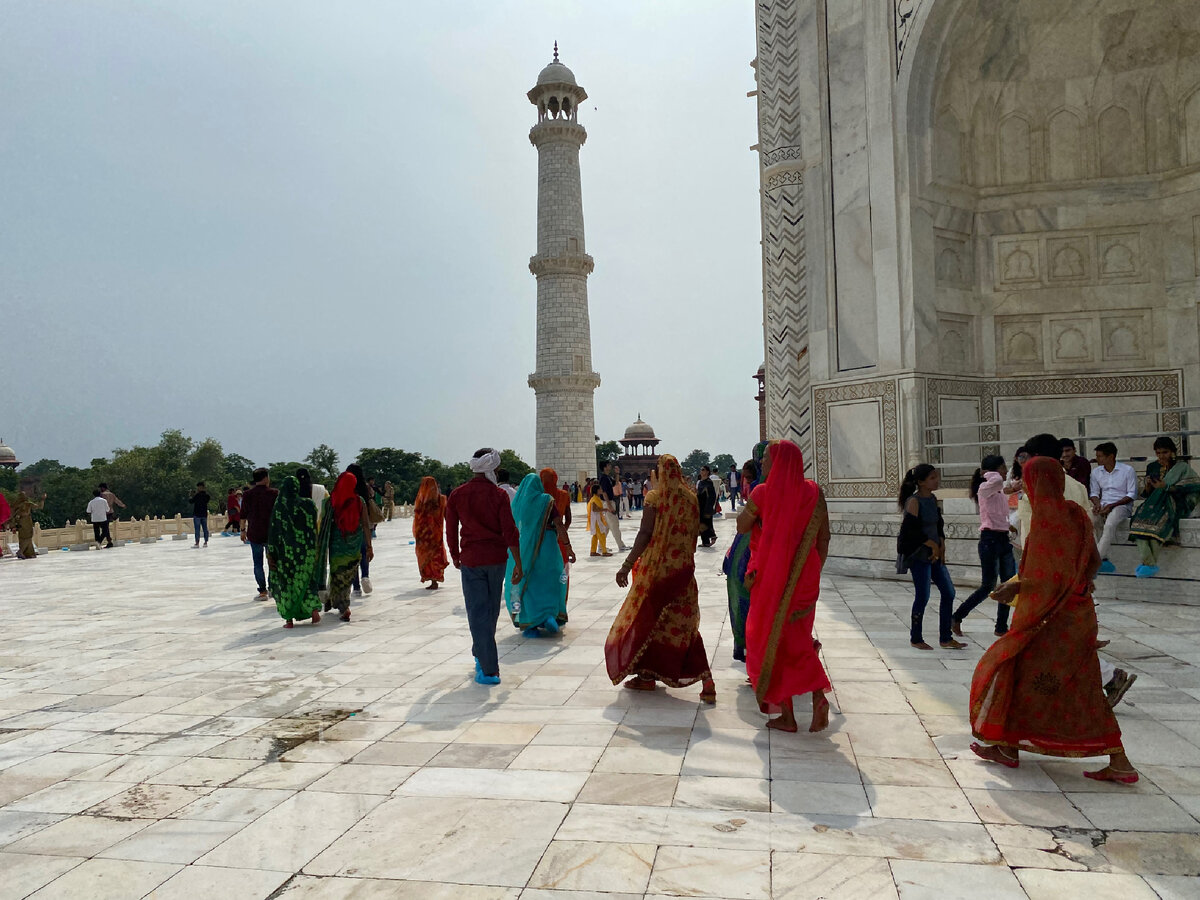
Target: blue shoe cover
[
  {"x": 480, "y": 678},
  {"x": 1107, "y": 568},
  {"x": 1146, "y": 571},
  {"x": 531, "y": 632},
  {"x": 551, "y": 625}
]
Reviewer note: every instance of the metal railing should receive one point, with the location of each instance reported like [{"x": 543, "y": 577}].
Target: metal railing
[{"x": 992, "y": 443}]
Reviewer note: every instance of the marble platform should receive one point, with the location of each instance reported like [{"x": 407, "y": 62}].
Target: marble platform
[{"x": 161, "y": 736}]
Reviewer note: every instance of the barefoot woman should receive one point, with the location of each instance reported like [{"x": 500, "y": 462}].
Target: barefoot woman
[
  {"x": 1038, "y": 688},
  {"x": 293, "y": 556},
  {"x": 429, "y": 519},
  {"x": 785, "y": 578},
  {"x": 656, "y": 636}
]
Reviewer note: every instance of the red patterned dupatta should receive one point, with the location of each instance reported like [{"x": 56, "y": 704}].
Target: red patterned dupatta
[
  {"x": 429, "y": 513},
  {"x": 562, "y": 501},
  {"x": 657, "y": 632},
  {"x": 780, "y": 658},
  {"x": 1038, "y": 688}
]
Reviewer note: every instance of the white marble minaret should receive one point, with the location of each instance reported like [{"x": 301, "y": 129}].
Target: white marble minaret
[{"x": 564, "y": 381}]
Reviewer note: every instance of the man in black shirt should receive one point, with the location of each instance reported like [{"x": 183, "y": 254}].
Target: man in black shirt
[
  {"x": 200, "y": 513},
  {"x": 706, "y": 494}
]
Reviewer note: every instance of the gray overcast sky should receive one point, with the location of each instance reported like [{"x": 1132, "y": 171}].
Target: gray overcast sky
[{"x": 286, "y": 222}]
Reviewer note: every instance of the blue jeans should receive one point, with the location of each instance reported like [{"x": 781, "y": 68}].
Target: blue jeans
[
  {"x": 364, "y": 566},
  {"x": 201, "y": 522},
  {"x": 997, "y": 562},
  {"x": 257, "y": 550},
  {"x": 923, "y": 574},
  {"x": 482, "y": 589}
]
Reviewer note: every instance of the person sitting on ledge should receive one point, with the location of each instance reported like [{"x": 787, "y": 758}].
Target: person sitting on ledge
[{"x": 1172, "y": 491}]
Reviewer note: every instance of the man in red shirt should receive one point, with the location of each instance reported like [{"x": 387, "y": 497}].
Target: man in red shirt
[
  {"x": 488, "y": 533},
  {"x": 1075, "y": 465},
  {"x": 257, "y": 504}
]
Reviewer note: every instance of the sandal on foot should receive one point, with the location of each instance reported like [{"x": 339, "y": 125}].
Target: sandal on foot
[
  {"x": 1108, "y": 773},
  {"x": 639, "y": 684},
  {"x": 994, "y": 754}
]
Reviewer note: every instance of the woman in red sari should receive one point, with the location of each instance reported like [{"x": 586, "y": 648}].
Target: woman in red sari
[
  {"x": 429, "y": 516},
  {"x": 1038, "y": 688},
  {"x": 656, "y": 635},
  {"x": 784, "y": 575},
  {"x": 562, "y": 505}
]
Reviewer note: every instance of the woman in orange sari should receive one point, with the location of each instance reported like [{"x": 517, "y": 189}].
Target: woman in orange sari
[
  {"x": 784, "y": 575},
  {"x": 429, "y": 516},
  {"x": 656, "y": 635},
  {"x": 562, "y": 504},
  {"x": 1038, "y": 688}
]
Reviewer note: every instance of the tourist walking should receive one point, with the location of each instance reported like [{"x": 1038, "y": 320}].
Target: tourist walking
[
  {"x": 1038, "y": 688},
  {"x": 608, "y": 491},
  {"x": 349, "y": 541},
  {"x": 921, "y": 551},
  {"x": 22, "y": 516},
  {"x": 199, "y": 501},
  {"x": 5, "y": 516},
  {"x": 562, "y": 503},
  {"x": 502, "y": 480},
  {"x": 481, "y": 535},
  {"x": 429, "y": 521},
  {"x": 233, "y": 511},
  {"x": 1113, "y": 490},
  {"x": 389, "y": 500},
  {"x": 114, "y": 502},
  {"x": 1172, "y": 491},
  {"x": 737, "y": 559},
  {"x": 635, "y": 492},
  {"x": 784, "y": 575},
  {"x": 293, "y": 555},
  {"x": 362, "y": 585},
  {"x": 538, "y": 600},
  {"x": 996, "y": 560},
  {"x": 597, "y": 521},
  {"x": 656, "y": 635},
  {"x": 313, "y": 490},
  {"x": 706, "y": 494},
  {"x": 98, "y": 510},
  {"x": 734, "y": 483},
  {"x": 257, "y": 504}
]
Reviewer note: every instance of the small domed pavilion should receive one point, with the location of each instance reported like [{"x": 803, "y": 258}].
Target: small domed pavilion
[
  {"x": 641, "y": 453},
  {"x": 8, "y": 457}
]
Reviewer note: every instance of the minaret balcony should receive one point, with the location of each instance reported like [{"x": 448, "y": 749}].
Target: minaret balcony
[
  {"x": 577, "y": 381},
  {"x": 549, "y": 130},
  {"x": 565, "y": 263}
]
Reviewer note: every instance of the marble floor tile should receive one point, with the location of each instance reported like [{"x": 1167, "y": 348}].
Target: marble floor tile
[
  {"x": 1026, "y": 808},
  {"x": 550, "y": 757},
  {"x": 1173, "y": 887},
  {"x": 1044, "y": 884},
  {"x": 107, "y": 879},
  {"x": 1153, "y": 853},
  {"x": 225, "y": 884},
  {"x": 578, "y": 735},
  {"x": 892, "y": 801},
  {"x": 445, "y": 839},
  {"x": 24, "y": 873},
  {"x": 513, "y": 784},
  {"x": 589, "y": 866},
  {"x": 68, "y": 796},
  {"x": 283, "y": 775},
  {"x": 364, "y": 779},
  {"x": 474, "y": 756},
  {"x": 709, "y": 792},
  {"x": 78, "y": 836},
  {"x": 640, "y": 761},
  {"x": 921, "y": 880},
  {"x": 911, "y": 772},
  {"x": 809, "y": 797},
  {"x": 307, "y": 887},
  {"x": 622, "y": 789},
  {"x": 15, "y": 824},
  {"x": 292, "y": 833},
  {"x": 172, "y": 841},
  {"x": 498, "y": 733},
  {"x": 148, "y": 801},
  {"x": 706, "y": 872},
  {"x": 818, "y": 876},
  {"x": 234, "y": 804},
  {"x": 1134, "y": 812},
  {"x": 204, "y": 772}
]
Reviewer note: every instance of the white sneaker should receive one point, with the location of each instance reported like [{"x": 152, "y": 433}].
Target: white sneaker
[{"x": 366, "y": 585}]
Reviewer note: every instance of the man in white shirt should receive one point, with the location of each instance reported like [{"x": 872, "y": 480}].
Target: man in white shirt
[
  {"x": 735, "y": 483},
  {"x": 98, "y": 510},
  {"x": 1113, "y": 490}
]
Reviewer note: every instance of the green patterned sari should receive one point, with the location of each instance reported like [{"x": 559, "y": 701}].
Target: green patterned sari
[
  {"x": 292, "y": 553},
  {"x": 1157, "y": 519}
]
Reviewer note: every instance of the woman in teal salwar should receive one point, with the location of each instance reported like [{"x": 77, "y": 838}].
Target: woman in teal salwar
[
  {"x": 292, "y": 555},
  {"x": 539, "y": 600},
  {"x": 346, "y": 537},
  {"x": 1172, "y": 491},
  {"x": 736, "y": 561}
]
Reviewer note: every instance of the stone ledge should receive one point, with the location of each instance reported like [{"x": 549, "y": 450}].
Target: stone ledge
[{"x": 561, "y": 264}]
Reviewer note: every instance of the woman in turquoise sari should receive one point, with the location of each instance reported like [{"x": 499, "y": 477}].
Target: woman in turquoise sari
[
  {"x": 1172, "y": 491},
  {"x": 539, "y": 600}
]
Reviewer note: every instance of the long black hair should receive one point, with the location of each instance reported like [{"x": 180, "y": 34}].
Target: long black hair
[
  {"x": 305, "y": 480},
  {"x": 912, "y": 478},
  {"x": 360, "y": 481},
  {"x": 991, "y": 463}
]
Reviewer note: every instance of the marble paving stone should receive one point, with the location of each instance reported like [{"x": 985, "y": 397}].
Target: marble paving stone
[
  {"x": 579, "y": 735},
  {"x": 911, "y": 772},
  {"x": 1173, "y": 887},
  {"x": 1045, "y": 884},
  {"x": 1134, "y": 812},
  {"x": 204, "y": 772},
  {"x": 225, "y": 884},
  {"x": 697, "y": 872},
  {"x": 288, "y": 776},
  {"x": 707, "y": 792},
  {"x": 399, "y": 753},
  {"x": 1026, "y": 807},
  {"x": 553, "y": 758},
  {"x": 233, "y": 804},
  {"x": 1153, "y": 853},
  {"x": 893, "y": 801},
  {"x": 325, "y": 751},
  {"x": 640, "y": 761},
  {"x": 293, "y": 832},
  {"x": 817, "y": 797},
  {"x": 148, "y": 801},
  {"x": 78, "y": 836},
  {"x": 172, "y": 840},
  {"x": 68, "y": 796},
  {"x": 107, "y": 879},
  {"x": 622, "y": 789},
  {"x": 475, "y": 756},
  {"x": 589, "y": 866},
  {"x": 15, "y": 824},
  {"x": 817, "y": 876},
  {"x": 446, "y": 839},
  {"x": 498, "y": 733},
  {"x": 921, "y": 880},
  {"x": 25, "y": 873},
  {"x": 364, "y": 779},
  {"x": 512, "y": 784},
  {"x": 307, "y": 887}
]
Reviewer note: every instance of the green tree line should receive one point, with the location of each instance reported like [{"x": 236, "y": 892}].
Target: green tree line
[{"x": 158, "y": 480}]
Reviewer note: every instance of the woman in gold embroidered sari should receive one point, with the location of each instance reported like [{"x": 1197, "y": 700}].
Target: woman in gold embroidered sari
[{"x": 656, "y": 635}]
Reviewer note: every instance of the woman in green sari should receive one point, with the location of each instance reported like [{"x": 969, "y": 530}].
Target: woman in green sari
[
  {"x": 1172, "y": 491},
  {"x": 346, "y": 537},
  {"x": 539, "y": 599},
  {"x": 292, "y": 555}
]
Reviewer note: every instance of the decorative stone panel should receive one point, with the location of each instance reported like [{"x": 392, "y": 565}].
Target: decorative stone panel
[
  {"x": 840, "y": 406},
  {"x": 956, "y": 342}
]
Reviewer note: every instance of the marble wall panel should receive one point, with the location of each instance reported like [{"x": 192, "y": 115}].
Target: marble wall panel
[
  {"x": 856, "y": 440},
  {"x": 956, "y": 342},
  {"x": 1072, "y": 341},
  {"x": 1019, "y": 343},
  {"x": 954, "y": 266},
  {"x": 866, "y": 413}
]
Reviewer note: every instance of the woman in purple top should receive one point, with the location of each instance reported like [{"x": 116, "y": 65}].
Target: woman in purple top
[{"x": 995, "y": 548}]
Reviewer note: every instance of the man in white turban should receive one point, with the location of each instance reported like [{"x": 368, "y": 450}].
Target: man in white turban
[{"x": 480, "y": 532}]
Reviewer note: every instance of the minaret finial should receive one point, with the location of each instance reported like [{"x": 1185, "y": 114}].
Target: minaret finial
[{"x": 556, "y": 51}]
